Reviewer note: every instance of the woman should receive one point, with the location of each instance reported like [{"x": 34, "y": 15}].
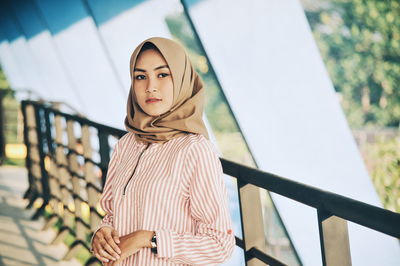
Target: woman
[{"x": 164, "y": 197}]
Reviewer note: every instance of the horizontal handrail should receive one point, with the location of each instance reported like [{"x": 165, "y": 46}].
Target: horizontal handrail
[
  {"x": 326, "y": 203},
  {"x": 364, "y": 214},
  {"x": 80, "y": 119}
]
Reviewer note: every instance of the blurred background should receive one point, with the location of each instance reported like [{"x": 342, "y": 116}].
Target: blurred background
[{"x": 308, "y": 90}]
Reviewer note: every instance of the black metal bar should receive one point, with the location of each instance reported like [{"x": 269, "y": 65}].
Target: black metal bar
[
  {"x": 104, "y": 154},
  {"x": 321, "y": 217},
  {"x": 256, "y": 253},
  {"x": 93, "y": 186},
  {"x": 376, "y": 218},
  {"x": 45, "y": 193},
  {"x": 82, "y": 120},
  {"x": 239, "y": 242},
  {"x": 93, "y": 210},
  {"x": 49, "y": 139},
  {"x": 240, "y": 184}
]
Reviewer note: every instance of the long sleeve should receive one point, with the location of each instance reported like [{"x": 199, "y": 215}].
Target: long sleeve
[{"x": 214, "y": 240}]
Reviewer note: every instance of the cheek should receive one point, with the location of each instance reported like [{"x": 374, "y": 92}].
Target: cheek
[
  {"x": 169, "y": 90},
  {"x": 138, "y": 92},
  {"x": 169, "y": 96}
]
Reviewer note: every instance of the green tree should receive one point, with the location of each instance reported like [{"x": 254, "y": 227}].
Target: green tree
[
  {"x": 360, "y": 43},
  {"x": 383, "y": 159}
]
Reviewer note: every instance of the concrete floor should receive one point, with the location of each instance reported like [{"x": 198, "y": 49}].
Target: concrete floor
[{"x": 22, "y": 242}]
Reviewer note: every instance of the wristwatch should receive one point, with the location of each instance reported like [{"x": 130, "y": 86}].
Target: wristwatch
[{"x": 153, "y": 242}]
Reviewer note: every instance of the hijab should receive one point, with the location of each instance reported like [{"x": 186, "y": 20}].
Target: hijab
[{"x": 185, "y": 114}]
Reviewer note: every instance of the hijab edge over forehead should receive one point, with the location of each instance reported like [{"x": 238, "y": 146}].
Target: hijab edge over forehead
[{"x": 185, "y": 115}]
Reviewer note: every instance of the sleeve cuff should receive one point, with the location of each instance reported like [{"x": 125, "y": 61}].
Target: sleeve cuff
[{"x": 165, "y": 243}]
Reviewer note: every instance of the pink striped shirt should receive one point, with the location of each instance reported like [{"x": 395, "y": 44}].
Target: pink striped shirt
[{"x": 178, "y": 191}]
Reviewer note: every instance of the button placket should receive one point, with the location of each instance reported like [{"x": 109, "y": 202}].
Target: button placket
[{"x": 134, "y": 170}]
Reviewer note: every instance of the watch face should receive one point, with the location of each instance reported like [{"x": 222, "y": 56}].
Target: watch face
[{"x": 153, "y": 242}]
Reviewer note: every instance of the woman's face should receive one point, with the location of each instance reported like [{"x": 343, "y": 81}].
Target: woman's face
[{"x": 153, "y": 84}]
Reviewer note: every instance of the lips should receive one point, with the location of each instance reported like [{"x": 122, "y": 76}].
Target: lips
[{"x": 152, "y": 100}]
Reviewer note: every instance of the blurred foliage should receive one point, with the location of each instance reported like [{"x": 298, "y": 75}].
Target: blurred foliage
[
  {"x": 13, "y": 120},
  {"x": 383, "y": 160},
  {"x": 360, "y": 43},
  {"x": 3, "y": 81},
  {"x": 15, "y": 162}
]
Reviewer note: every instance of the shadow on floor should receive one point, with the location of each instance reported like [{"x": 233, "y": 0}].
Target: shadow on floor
[{"x": 22, "y": 242}]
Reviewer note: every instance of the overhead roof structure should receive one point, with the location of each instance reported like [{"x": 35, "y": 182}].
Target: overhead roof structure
[{"x": 266, "y": 61}]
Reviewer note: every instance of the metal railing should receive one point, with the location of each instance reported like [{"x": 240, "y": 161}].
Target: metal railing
[{"x": 64, "y": 175}]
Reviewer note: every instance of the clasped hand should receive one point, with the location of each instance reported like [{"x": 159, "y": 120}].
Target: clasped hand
[{"x": 111, "y": 249}]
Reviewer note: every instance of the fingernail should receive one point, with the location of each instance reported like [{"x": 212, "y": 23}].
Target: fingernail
[{"x": 106, "y": 260}]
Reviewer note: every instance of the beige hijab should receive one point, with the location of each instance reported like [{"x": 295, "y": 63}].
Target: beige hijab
[{"x": 185, "y": 115}]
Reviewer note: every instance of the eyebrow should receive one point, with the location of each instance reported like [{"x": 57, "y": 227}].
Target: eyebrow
[{"x": 159, "y": 67}]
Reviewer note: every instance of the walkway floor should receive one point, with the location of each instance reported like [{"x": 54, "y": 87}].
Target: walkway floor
[{"x": 22, "y": 242}]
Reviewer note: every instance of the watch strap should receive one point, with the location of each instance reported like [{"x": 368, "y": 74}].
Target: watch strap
[{"x": 154, "y": 244}]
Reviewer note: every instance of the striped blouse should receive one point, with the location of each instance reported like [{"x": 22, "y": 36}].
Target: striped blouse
[{"x": 175, "y": 189}]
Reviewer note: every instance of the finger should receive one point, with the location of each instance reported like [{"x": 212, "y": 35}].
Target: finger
[
  {"x": 110, "y": 250},
  {"x": 102, "y": 251},
  {"x": 105, "y": 263},
  {"x": 115, "y": 236},
  {"x": 106, "y": 255},
  {"x": 98, "y": 247},
  {"x": 113, "y": 245},
  {"x": 100, "y": 258}
]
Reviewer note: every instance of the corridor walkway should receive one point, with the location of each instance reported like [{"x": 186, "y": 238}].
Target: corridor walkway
[{"x": 22, "y": 242}]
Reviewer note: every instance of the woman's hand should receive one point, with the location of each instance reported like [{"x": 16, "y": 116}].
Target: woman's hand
[
  {"x": 105, "y": 244},
  {"x": 131, "y": 244}
]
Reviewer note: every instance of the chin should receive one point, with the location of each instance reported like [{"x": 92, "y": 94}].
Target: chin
[{"x": 153, "y": 113}]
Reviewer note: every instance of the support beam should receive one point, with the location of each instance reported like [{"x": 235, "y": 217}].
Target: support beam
[{"x": 334, "y": 239}]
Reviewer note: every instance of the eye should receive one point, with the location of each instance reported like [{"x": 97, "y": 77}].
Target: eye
[
  {"x": 163, "y": 75},
  {"x": 139, "y": 77}
]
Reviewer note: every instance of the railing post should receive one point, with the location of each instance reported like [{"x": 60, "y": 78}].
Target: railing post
[
  {"x": 252, "y": 221},
  {"x": 53, "y": 175},
  {"x": 34, "y": 151},
  {"x": 91, "y": 178},
  {"x": 74, "y": 168},
  {"x": 39, "y": 158},
  {"x": 104, "y": 150},
  {"x": 334, "y": 238},
  {"x": 31, "y": 194},
  {"x": 64, "y": 178}
]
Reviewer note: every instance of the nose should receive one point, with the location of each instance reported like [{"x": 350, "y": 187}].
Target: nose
[{"x": 151, "y": 85}]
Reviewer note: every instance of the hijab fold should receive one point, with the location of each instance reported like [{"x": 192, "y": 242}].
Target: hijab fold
[{"x": 185, "y": 115}]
